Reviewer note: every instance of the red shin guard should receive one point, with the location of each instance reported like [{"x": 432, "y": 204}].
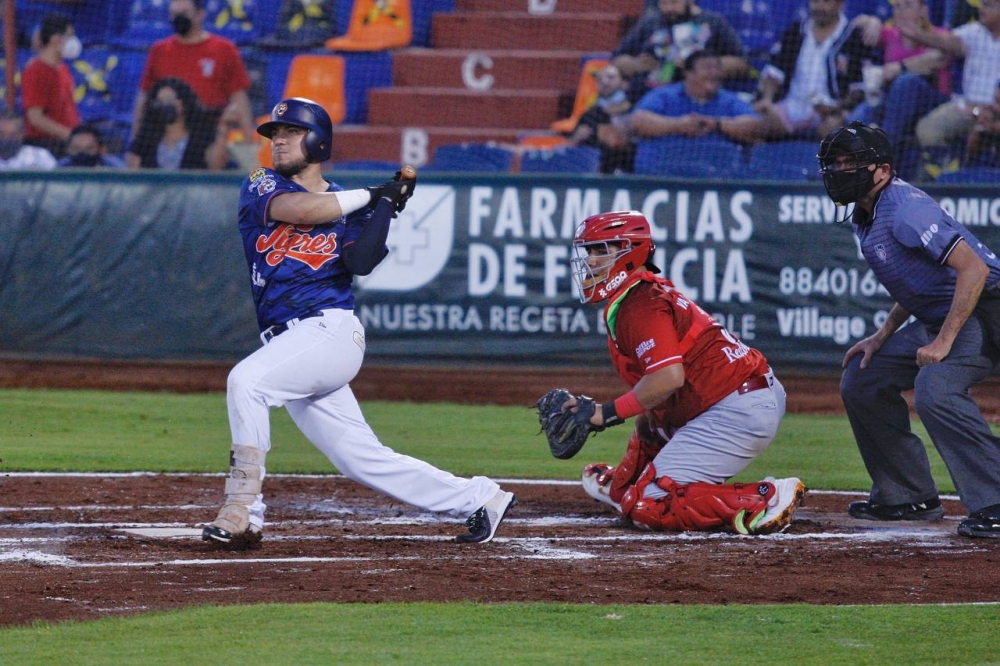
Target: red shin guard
[
  {"x": 639, "y": 453},
  {"x": 696, "y": 507}
]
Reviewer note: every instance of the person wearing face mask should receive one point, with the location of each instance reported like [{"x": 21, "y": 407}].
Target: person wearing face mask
[
  {"x": 47, "y": 86},
  {"x": 652, "y": 53},
  {"x": 210, "y": 64},
  {"x": 14, "y": 154},
  {"x": 939, "y": 273},
  {"x": 604, "y": 125},
  {"x": 86, "y": 149},
  {"x": 175, "y": 132}
]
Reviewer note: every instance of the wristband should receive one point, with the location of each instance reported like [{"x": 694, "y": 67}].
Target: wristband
[
  {"x": 352, "y": 200},
  {"x": 616, "y": 411}
]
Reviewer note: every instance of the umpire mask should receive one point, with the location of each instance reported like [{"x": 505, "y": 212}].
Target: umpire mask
[{"x": 848, "y": 158}]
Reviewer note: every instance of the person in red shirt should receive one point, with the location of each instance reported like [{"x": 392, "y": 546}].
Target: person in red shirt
[
  {"x": 707, "y": 404},
  {"x": 210, "y": 64},
  {"x": 50, "y": 113}
]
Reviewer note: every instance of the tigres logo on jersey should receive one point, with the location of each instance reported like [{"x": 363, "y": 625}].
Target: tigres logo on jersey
[{"x": 288, "y": 241}]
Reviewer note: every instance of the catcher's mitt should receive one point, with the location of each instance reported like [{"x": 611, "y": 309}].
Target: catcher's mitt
[{"x": 567, "y": 431}]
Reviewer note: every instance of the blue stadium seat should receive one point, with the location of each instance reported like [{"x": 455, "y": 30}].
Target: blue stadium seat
[
  {"x": 683, "y": 157},
  {"x": 92, "y": 77},
  {"x": 564, "y": 159},
  {"x": 94, "y": 21},
  {"x": 124, "y": 79},
  {"x": 472, "y": 157},
  {"x": 784, "y": 160},
  {"x": 237, "y": 20},
  {"x": 987, "y": 175}
]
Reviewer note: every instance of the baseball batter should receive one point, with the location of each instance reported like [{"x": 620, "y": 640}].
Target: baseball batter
[
  {"x": 304, "y": 239},
  {"x": 707, "y": 404},
  {"x": 937, "y": 271}
]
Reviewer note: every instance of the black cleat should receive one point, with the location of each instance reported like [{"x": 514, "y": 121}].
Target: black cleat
[
  {"x": 248, "y": 540},
  {"x": 984, "y": 523},
  {"x": 484, "y": 522},
  {"x": 929, "y": 510}
]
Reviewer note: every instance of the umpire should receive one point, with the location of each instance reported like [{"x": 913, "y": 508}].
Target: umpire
[{"x": 938, "y": 272}]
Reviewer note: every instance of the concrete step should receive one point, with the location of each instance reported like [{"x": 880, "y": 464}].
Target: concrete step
[
  {"x": 489, "y": 69},
  {"x": 542, "y": 7},
  {"x": 584, "y": 31},
  {"x": 458, "y": 107},
  {"x": 398, "y": 144}
]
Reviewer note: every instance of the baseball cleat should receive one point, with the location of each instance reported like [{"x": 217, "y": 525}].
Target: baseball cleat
[
  {"x": 788, "y": 494},
  {"x": 867, "y": 510},
  {"x": 596, "y": 482},
  {"x": 246, "y": 540},
  {"x": 484, "y": 522},
  {"x": 232, "y": 529}
]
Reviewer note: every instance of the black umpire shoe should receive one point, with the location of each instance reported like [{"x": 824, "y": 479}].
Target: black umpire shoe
[
  {"x": 929, "y": 510},
  {"x": 983, "y": 523}
]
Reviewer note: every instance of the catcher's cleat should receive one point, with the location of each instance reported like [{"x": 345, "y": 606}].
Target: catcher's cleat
[
  {"x": 983, "y": 523},
  {"x": 596, "y": 482},
  {"x": 484, "y": 522},
  {"x": 788, "y": 494},
  {"x": 232, "y": 530},
  {"x": 929, "y": 510}
]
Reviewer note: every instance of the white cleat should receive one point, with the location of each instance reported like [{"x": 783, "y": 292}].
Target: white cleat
[{"x": 788, "y": 494}]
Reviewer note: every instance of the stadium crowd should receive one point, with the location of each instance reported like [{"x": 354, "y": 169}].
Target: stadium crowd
[{"x": 923, "y": 70}]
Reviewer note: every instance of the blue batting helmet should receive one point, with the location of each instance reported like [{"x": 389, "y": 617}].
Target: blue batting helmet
[{"x": 305, "y": 113}]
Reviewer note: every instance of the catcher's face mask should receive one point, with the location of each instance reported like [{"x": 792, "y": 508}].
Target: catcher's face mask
[
  {"x": 607, "y": 247},
  {"x": 593, "y": 264}
]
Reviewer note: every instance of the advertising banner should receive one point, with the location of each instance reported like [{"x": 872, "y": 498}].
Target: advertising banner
[{"x": 151, "y": 266}]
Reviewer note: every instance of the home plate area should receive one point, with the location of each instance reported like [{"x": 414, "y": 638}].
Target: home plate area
[{"x": 84, "y": 546}]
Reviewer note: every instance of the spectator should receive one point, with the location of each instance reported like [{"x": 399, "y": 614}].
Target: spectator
[
  {"x": 983, "y": 146},
  {"x": 13, "y": 153},
  {"x": 209, "y": 63},
  {"x": 915, "y": 78},
  {"x": 814, "y": 76},
  {"x": 979, "y": 44},
  {"x": 47, "y": 86},
  {"x": 175, "y": 132},
  {"x": 86, "y": 149},
  {"x": 605, "y": 124},
  {"x": 697, "y": 107},
  {"x": 653, "y": 51}
]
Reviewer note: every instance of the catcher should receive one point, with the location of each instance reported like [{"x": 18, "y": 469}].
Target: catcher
[{"x": 706, "y": 403}]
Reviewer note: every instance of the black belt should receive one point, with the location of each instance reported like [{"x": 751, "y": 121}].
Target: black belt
[
  {"x": 274, "y": 331},
  {"x": 755, "y": 384}
]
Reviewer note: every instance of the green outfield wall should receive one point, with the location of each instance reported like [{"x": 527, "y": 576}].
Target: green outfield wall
[{"x": 127, "y": 265}]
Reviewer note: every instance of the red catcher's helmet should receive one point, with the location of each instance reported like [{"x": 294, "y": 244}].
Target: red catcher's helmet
[{"x": 606, "y": 249}]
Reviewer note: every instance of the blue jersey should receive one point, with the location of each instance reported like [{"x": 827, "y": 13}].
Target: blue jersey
[
  {"x": 673, "y": 101},
  {"x": 293, "y": 270},
  {"x": 907, "y": 246}
]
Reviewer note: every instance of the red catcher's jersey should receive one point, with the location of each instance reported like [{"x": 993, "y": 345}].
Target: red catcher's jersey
[{"x": 652, "y": 325}]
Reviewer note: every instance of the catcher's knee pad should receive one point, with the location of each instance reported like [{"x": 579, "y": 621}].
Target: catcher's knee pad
[
  {"x": 699, "y": 506},
  {"x": 638, "y": 454}
]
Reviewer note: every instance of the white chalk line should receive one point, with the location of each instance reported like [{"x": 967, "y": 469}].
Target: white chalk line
[{"x": 13, "y": 549}]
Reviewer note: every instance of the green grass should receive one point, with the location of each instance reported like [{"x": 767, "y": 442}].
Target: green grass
[
  {"x": 50, "y": 430},
  {"x": 465, "y": 633},
  {"x": 93, "y": 431}
]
